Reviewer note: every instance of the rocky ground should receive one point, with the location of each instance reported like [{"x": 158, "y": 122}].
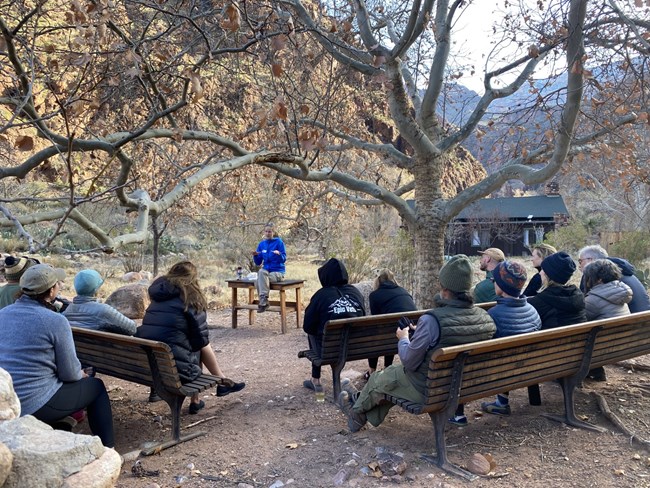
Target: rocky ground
[{"x": 274, "y": 433}]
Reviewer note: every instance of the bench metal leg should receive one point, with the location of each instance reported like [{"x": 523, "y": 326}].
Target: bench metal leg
[
  {"x": 440, "y": 459},
  {"x": 569, "y": 418}
]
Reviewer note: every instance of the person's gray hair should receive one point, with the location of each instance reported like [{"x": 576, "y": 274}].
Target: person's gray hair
[
  {"x": 594, "y": 252},
  {"x": 600, "y": 271}
]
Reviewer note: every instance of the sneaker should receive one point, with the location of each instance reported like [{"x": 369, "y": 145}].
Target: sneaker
[
  {"x": 153, "y": 396},
  {"x": 495, "y": 409},
  {"x": 459, "y": 420},
  {"x": 195, "y": 407},
  {"x": 264, "y": 301},
  {"x": 355, "y": 420},
  {"x": 310, "y": 385},
  {"x": 223, "y": 390},
  {"x": 79, "y": 416}
]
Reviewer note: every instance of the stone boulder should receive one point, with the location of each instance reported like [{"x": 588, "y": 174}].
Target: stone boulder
[
  {"x": 9, "y": 403},
  {"x": 365, "y": 287},
  {"x": 43, "y": 456},
  {"x": 6, "y": 461},
  {"x": 131, "y": 300}
]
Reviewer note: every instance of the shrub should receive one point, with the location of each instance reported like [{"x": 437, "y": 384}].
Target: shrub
[
  {"x": 635, "y": 247},
  {"x": 570, "y": 238}
]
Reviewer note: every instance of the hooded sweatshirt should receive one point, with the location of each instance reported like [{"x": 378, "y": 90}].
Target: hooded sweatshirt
[
  {"x": 607, "y": 300},
  {"x": 336, "y": 299},
  {"x": 559, "y": 305}
]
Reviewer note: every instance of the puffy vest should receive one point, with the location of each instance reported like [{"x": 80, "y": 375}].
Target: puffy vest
[{"x": 460, "y": 323}]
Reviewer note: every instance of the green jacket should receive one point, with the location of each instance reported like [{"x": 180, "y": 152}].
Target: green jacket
[{"x": 484, "y": 290}]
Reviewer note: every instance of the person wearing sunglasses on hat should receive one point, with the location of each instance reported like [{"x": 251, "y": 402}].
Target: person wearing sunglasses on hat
[
  {"x": 37, "y": 350},
  {"x": 484, "y": 290}
]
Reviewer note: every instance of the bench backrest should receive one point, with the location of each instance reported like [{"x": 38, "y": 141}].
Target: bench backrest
[
  {"x": 368, "y": 336},
  {"x": 514, "y": 362},
  {"x": 126, "y": 357}
]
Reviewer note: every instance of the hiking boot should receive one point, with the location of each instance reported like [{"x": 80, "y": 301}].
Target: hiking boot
[
  {"x": 355, "y": 420},
  {"x": 223, "y": 390},
  {"x": 348, "y": 387},
  {"x": 195, "y": 407},
  {"x": 263, "y": 303},
  {"x": 495, "y": 409},
  {"x": 459, "y": 420}
]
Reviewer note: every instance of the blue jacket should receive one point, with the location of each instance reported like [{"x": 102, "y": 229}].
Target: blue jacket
[
  {"x": 89, "y": 313},
  {"x": 514, "y": 316},
  {"x": 272, "y": 262},
  {"x": 37, "y": 350}
]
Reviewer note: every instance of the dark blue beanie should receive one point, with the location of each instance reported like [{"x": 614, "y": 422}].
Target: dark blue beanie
[{"x": 559, "y": 267}]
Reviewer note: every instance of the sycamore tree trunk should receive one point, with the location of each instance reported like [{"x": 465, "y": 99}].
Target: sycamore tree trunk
[{"x": 429, "y": 229}]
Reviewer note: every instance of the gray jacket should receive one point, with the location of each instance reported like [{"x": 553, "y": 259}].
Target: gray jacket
[
  {"x": 88, "y": 313},
  {"x": 608, "y": 300}
]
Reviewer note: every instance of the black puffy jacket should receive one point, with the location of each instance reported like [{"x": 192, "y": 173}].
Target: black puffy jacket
[
  {"x": 390, "y": 298},
  {"x": 559, "y": 305},
  {"x": 167, "y": 321}
]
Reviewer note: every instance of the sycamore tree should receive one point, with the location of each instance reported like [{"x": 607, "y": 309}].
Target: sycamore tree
[{"x": 346, "y": 95}]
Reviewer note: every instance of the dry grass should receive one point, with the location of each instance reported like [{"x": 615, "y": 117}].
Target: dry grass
[{"x": 214, "y": 273}]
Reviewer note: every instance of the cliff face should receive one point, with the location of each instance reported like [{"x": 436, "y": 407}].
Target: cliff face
[{"x": 463, "y": 171}]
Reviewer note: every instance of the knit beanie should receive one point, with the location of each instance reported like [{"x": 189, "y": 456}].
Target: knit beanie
[
  {"x": 87, "y": 282},
  {"x": 15, "y": 267},
  {"x": 510, "y": 276},
  {"x": 456, "y": 274},
  {"x": 559, "y": 267}
]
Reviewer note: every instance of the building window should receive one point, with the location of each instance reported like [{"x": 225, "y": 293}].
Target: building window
[
  {"x": 527, "y": 237},
  {"x": 476, "y": 240},
  {"x": 539, "y": 234}
]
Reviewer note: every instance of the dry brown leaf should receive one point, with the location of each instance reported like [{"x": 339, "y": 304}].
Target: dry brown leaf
[
  {"x": 276, "y": 69},
  {"x": 24, "y": 143}
]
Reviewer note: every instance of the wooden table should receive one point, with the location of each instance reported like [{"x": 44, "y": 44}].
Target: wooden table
[{"x": 281, "y": 305}]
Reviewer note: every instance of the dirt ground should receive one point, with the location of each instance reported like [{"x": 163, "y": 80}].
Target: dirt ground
[{"x": 274, "y": 434}]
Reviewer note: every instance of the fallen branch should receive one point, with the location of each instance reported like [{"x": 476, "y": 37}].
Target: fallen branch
[
  {"x": 634, "y": 366},
  {"x": 198, "y": 422},
  {"x": 613, "y": 418}
]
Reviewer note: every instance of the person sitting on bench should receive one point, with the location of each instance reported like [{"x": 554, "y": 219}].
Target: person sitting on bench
[
  {"x": 454, "y": 321},
  {"x": 177, "y": 316},
  {"x": 88, "y": 312}
]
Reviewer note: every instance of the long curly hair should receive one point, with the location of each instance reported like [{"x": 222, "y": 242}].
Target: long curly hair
[{"x": 185, "y": 276}]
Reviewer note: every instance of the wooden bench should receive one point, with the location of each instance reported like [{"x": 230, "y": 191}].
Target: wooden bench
[
  {"x": 461, "y": 374},
  {"x": 359, "y": 338},
  {"x": 281, "y": 306},
  {"x": 148, "y": 363}
]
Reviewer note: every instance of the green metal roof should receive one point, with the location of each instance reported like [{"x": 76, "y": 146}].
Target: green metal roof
[{"x": 538, "y": 207}]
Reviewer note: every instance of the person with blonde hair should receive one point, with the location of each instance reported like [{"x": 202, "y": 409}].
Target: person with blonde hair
[
  {"x": 538, "y": 253},
  {"x": 387, "y": 297},
  {"x": 177, "y": 316}
]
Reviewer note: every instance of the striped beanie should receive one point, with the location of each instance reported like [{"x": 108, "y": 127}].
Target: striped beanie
[{"x": 15, "y": 267}]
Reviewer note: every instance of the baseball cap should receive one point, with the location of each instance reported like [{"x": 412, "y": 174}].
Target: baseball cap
[
  {"x": 40, "y": 278},
  {"x": 494, "y": 253}
]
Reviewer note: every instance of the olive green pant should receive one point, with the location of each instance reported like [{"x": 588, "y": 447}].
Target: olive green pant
[{"x": 391, "y": 380}]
